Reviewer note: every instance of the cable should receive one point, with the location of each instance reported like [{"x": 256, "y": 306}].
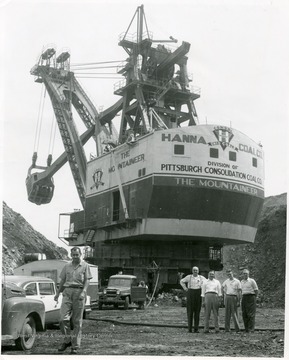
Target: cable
[
  {"x": 52, "y": 136},
  {"x": 38, "y": 118},
  {"x": 97, "y": 63},
  {"x": 166, "y": 325},
  {"x": 92, "y": 73},
  {"x": 96, "y": 67},
  {"x": 154, "y": 290},
  {"x": 97, "y": 77},
  {"x": 41, "y": 117}
]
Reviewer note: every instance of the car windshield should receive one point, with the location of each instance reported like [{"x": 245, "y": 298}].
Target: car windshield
[{"x": 119, "y": 282}]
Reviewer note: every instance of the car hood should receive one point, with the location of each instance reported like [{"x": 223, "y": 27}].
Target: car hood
[{"x": 11, "y": 290}]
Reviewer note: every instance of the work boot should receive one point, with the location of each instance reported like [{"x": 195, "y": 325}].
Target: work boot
[{"x": 64, "y": 346}]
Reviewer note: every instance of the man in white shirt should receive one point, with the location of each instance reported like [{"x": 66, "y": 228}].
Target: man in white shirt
[
  {"x": 211, "y": 296},
  {"x": 192, "y": 284},
  {"x": 231, "y": 289},
  {"x": 249, "y": 294}
]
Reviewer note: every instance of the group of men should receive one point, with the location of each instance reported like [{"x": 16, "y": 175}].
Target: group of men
[
  {"x": 209, "y": 293},
  {"x": 74, "y": 281}
]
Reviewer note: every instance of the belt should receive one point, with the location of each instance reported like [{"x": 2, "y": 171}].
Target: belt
[
  {"x": 73, "y": 287},
  {"x": 249, "y": 295},
  {"x": 230, "y": 295},
  {"x": 211, "y": 292}
]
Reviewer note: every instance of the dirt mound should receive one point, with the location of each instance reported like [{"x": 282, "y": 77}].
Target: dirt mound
[
  {"x": 266, "y": 258},
  {"x": 19, "y": 238}
]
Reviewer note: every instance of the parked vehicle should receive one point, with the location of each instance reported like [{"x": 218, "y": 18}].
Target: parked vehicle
[
  {"x": 122, "y": 290},
  {"x": 43, "y": 289},
  {"x": 52, "y": 269},
  {"x": 22, "y": 317}
]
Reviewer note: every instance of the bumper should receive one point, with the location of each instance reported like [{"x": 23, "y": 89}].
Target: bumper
[
  {"x": 7, "y": 337},
  {"x": 111, "y": 300}
]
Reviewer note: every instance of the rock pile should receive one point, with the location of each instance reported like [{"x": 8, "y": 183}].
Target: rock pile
[
  {"x": 20, "y": 238},
  {"x": 266, "y": 258}
]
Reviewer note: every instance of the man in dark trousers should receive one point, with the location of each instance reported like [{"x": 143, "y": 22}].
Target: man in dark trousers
[
  {"x": 74, "y": 281},
  {"x": 249, "y": 294},
  {"x": 192, "y": 284}
]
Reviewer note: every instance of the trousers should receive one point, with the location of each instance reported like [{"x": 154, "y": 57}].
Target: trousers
[
  {"x": 194, "y": 304},
  {"x": 72, "y": 309},
  {"x": 211, "y": 304},
  {"x": 249, "y": 311},
  {"x": 231, "y": 311}
]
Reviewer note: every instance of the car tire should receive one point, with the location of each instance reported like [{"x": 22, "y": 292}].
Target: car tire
[
  {"x": 100, "y": 306},
  {"x": 28, "y": 334},
  {"x": 141, "y": 305},
  {"x": 126, "y": 303},
  {"x": 86, "y": 314}
]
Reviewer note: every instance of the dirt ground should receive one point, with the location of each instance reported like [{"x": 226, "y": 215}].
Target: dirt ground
[{"x": 161, "y": 331}]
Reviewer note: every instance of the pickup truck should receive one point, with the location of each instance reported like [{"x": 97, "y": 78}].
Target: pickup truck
[
  {"x": 21, "y": 317},
  {"x": 122, "y": 290}
]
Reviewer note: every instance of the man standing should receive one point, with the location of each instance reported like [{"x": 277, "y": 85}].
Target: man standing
[
  {"x": 74, "y": 280},
  {"x": 194, "y": 303},
  {"x": 211, "y": 297},
  {"x": 231, "y": 289},
  {"x": 249, "y": 294}
]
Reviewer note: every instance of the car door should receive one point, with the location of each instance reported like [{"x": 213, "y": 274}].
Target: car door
[
  {"x": 45, "y": 291},
  {"x": 52, "y": 308}
]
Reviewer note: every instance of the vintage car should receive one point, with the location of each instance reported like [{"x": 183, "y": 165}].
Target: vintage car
[
  {"x": 44, "y": 289},
  {"x": 122, "y": 290},
  {"x": 21, "y": 317}
]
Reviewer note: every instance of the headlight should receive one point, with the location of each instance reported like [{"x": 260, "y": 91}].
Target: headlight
[{"x": 104, "y": 291}]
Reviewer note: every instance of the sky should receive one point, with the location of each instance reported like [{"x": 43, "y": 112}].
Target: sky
[{"x": 239, "y": 58}]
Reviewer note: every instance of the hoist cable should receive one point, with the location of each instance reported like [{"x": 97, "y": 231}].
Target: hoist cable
[
  {"x": 41, "y": 117},
  {"x": 97, "y": 77},
  {"x": 93, "y": 73},
  {"x": 97, "y": 63},
  {"x": 38, "y": 119},
  {"x": 96, "y": 67},
  {"x": 52, "y": 135}
]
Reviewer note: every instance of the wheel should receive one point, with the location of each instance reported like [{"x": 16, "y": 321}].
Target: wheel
[
  {"x": 28, "y": 334},
  {"x": 126, "y": 303},
  {"x": 141, "y": 305},
  {"x": 100, "y": 306},
  {"x": 86, "y": 314}
]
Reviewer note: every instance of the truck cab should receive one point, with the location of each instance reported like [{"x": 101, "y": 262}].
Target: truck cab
[{"x": 122, "y": 290}]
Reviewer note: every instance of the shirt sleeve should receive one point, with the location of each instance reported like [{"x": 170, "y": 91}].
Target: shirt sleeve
[
  {"x": 88, "y": 272},
  {"x": 239, "y": 285},
  {"x": 203, "y": 289},
  {"x": 63, "y": 273},
  {"x": 254, "y": 284},
  {"x": 185, "y": 279},
  {"x": 203, "y": 279},
  {"x": 219, "y": 289}
]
